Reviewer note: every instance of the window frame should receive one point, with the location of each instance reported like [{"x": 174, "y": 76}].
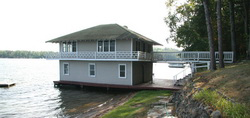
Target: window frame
[
  {"x": 119, "y": 70},
  {"x": 69, "y": 46},
  {"x": 65, "y": 63},
  {"x": 106, "y": 45},
  {"x": 100, "y": 49},
  {"x": 113, "y": 47},
  {"x": 102, "y": 45},
  {"x": 89, "y": 73}
]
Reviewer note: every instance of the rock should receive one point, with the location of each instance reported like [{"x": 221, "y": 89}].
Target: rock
[
  {"x": 194, "y": 113},
  {"x": 216, "y": 114},
  {"x": 204, "y": 115},
  {"x": 208, "y": 109}
]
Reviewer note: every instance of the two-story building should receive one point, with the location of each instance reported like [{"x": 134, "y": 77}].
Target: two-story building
[{"x": 105, "y": 54}]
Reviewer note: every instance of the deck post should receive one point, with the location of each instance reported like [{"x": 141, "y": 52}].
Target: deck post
[
  {"x": 198, "y": 58},
  {"x": 208, "y": 65},
  {"x": 138, "y": 55}
]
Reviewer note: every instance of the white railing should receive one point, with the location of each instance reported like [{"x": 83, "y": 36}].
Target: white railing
[
  {"x": 182, "y": 74},
  {"x": 190, "y": 56},
  {"x": 89, "y": 55}
]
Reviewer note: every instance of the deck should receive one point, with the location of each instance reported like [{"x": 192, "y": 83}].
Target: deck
[{"x": 158, "y": 84}]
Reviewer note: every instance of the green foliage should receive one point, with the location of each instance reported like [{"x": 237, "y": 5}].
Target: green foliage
[
  {"x": 22, "y": 54},
  {"x": 137, "y": 106},
  {"x": 228, "y": 109},
  {"x": 188, "y": 27}
]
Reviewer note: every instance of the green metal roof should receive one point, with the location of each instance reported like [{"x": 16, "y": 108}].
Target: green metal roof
[{"x": 102, "y": 32}]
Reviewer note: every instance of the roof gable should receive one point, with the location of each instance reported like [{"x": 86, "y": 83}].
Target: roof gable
[{"x": 108, "y": 31}]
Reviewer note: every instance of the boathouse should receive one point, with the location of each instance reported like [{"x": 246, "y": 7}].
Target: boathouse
[{"x": 105, "y": 54}]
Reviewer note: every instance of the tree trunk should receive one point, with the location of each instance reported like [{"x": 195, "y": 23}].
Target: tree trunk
[
  {"x": 248, "y": 51},
  {"x": 221, "y": 58},
  {"x": 232, "y": 29},
  {"x": 210, "y": 36},
  {"x": 245, "y": 8}
]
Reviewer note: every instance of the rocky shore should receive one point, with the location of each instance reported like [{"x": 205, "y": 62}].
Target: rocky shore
[{"x": 187, "y": 107}]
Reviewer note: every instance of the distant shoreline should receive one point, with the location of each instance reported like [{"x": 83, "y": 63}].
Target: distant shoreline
[{"x": 23, "y": 54}]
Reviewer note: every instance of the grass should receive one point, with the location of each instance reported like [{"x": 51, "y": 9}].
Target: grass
[
  {"x": 137, "y": 106},
  {"x": 233, "y": 81},
  {"x": 228, "y": 109}
]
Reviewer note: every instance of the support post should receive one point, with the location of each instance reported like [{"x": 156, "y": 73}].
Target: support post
[{"x": 208, "y": 65}]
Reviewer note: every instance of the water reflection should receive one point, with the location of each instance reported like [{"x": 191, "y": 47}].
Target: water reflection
[{"x": 81, "y": 102}]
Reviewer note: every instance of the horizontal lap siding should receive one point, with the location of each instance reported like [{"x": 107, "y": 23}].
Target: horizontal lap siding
[
  {"x": 123, "y": 45},
  {"x": 87, "y": 46},
  {"x": 106, "y": 72}
]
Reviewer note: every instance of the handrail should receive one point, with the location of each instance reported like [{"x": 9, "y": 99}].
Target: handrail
[{"x": 183, "y": 72}]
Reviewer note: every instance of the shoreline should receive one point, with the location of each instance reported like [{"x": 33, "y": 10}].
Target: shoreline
[{"x": 101, "y": 109}]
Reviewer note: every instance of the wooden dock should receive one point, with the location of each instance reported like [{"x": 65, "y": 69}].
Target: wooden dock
[
  {"x": 158, "y": 84},
  {"x": 7, "y": 84}
]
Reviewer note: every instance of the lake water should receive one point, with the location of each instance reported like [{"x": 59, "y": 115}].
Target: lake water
[{"x": 34, "y": 94}]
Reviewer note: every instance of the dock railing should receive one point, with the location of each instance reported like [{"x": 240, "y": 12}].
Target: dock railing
[
  {"x": 190, "y": 56},
  {"x": 182, "y": 74}
]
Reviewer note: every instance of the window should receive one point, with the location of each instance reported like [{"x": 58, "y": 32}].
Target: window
[
  {"x": 74, "y": 46},
  {"x": 66, "y": 68},
  {"x": 92, "y": 69},
  {"x": 69, "y": 46},
  {"x": 143, "y": 47},
  {"x": 138, "y": 46},
  {"x": 106, "y": 46},
  {"x": 112, "y": 46},
  {"x": 100, "y": 46},
  {"x": 122, "y": 70}
]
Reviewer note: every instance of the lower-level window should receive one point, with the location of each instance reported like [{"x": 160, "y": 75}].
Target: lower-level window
[
  {"x": 122, "y": 70},
  {"x": 92, "y": 69},
  {"x": 66, "y": 68}
]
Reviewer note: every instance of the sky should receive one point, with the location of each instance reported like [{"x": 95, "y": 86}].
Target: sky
[{"x": 27, "y": 24}]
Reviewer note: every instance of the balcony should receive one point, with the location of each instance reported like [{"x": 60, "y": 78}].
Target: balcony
[{"x": 101, "y": 56}]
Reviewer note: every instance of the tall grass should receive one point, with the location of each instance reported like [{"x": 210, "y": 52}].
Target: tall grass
[{"x": 228, "y": 109}]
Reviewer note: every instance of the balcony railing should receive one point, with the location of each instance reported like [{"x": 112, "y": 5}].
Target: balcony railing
[
  {"x": 140, "y": 56},
  {"x": 91, "y": 55}
]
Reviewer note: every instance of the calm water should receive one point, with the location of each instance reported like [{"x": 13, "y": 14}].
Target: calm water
[{"x": 34, "y": 94}]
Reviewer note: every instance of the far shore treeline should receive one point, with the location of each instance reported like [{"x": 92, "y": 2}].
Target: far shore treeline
[
  {"x": 23, "y": 54},
  {"x": 42, "y": 54}
]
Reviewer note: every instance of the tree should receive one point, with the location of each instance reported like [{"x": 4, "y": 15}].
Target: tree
[
  {"x": 210, "y": 35},
  {"x": 219, "y": 29},
  {"x": 186, "y": 22},
  {"x": 232, "y": 29}
]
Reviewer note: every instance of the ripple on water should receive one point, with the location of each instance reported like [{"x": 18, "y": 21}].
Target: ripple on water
[{"x": 34, "y": 94}]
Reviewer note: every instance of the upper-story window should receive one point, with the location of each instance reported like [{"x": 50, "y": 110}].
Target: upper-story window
[
  {"x": 69, "y": 46},
  {"x": 106, "y": 46},
  {"x": 138, "y": 46}
]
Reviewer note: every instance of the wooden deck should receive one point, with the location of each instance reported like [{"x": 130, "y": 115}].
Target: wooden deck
[{"x": 158, "y": 84}]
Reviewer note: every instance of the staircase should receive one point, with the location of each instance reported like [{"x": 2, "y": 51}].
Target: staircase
[{"x": 182, "y": 77}]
